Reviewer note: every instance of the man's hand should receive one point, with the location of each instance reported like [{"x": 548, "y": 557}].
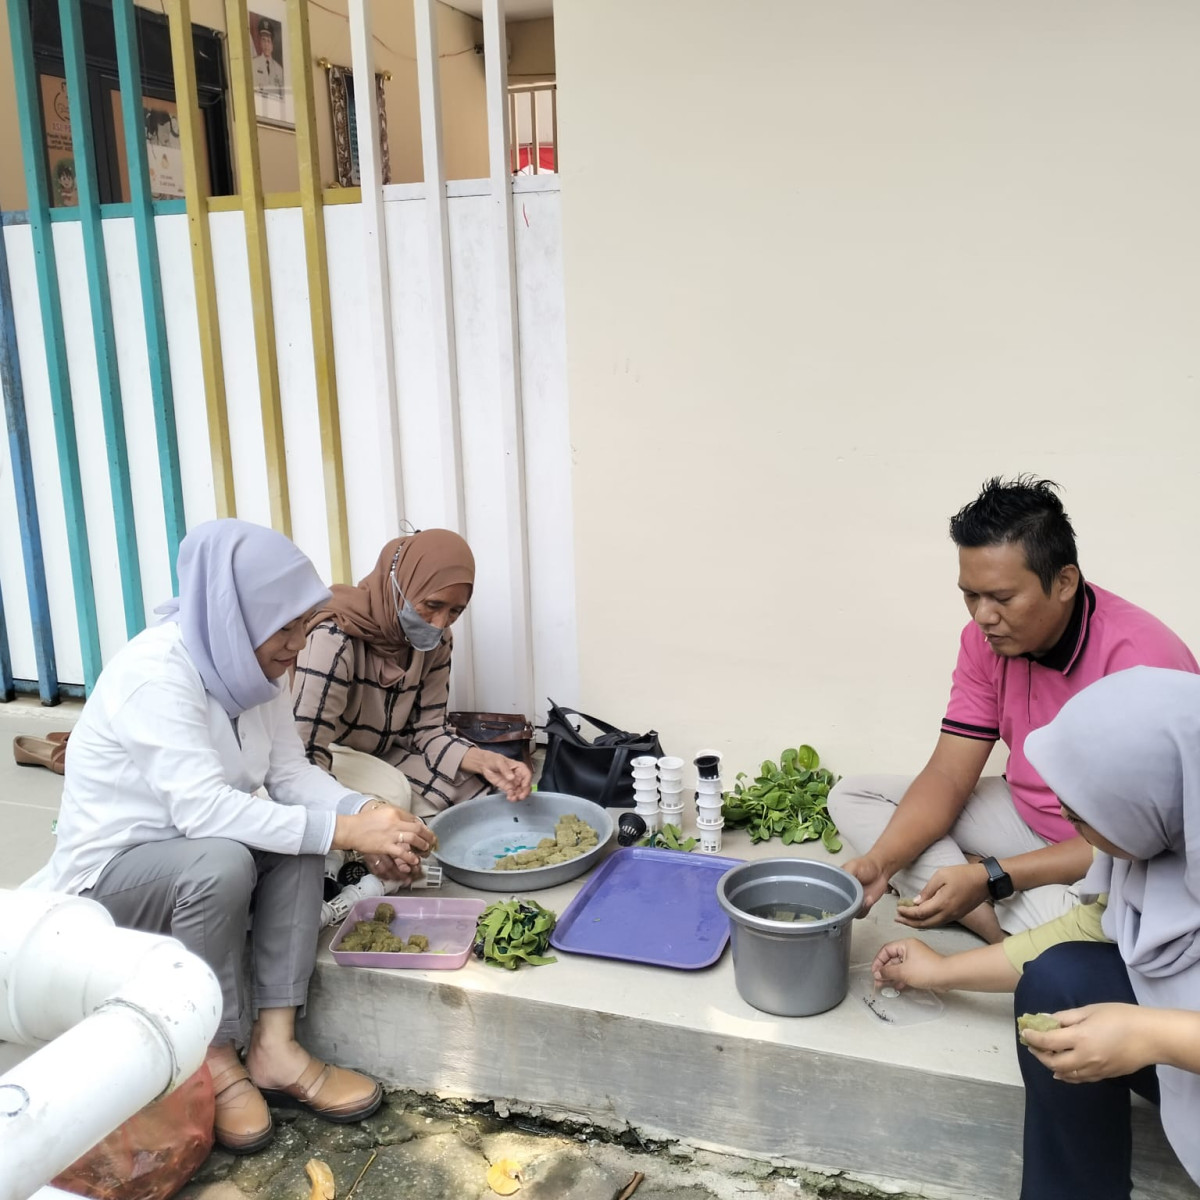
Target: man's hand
[
  {"x": 909, "y": 963},
  {"x": 873, "y": 878},
  {"x": 508, "y": 775},
  {"x": 1100, "y": 1041},
  {"x": 950, "y": 894}
]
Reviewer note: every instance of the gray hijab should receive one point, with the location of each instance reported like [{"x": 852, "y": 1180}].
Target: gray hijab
[
  {"x": 238, "y": 585},
  {"x": 1124, "y": 754}
]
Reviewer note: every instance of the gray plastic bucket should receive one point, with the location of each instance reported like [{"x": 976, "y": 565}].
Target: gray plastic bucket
[{"x": 793, "y": 969}]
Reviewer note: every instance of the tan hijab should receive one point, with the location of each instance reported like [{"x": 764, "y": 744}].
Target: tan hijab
[{"x": 425, "y": 563}]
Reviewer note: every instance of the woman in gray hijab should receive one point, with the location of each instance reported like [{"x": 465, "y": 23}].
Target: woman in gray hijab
[
  {"x": 187, "y": 796},
  {"x": 1121, "y": 974}
]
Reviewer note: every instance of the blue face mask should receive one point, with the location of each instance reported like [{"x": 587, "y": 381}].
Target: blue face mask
[{"x": 421, "y": 635}]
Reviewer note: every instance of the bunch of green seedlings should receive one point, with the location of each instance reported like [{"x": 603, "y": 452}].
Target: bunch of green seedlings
[
  {"x": 787, "y": 800},
  {"x": 512, "y": 932}
]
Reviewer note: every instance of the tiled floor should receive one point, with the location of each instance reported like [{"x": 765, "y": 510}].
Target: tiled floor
[{"x": 29, "y": 796}]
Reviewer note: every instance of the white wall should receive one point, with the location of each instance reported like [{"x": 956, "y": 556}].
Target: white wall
[{"x": 871, "y": 254}]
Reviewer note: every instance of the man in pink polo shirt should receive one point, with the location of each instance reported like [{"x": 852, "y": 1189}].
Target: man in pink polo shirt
[{"x": 995, "y": 853}]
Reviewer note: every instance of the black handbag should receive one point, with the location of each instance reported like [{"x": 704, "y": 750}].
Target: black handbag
[
  {"x": 597, "y": 770},
  {"x": 509, "y": 734}
]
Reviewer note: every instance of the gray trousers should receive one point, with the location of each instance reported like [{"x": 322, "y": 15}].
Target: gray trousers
[
  {"x": 199, "y": 890},
  {"x": 862, "y": 805}
]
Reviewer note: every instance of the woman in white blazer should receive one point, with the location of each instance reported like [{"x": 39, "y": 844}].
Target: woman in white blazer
[{"x": 188, "y": 795}]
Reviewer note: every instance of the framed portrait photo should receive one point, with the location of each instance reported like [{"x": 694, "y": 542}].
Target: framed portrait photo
[{"x": 274, "y": 102}]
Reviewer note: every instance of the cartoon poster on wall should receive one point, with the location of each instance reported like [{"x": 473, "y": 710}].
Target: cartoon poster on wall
[
  {"x": 164, "y": 152},
  {"x": 60, "y": 153}
]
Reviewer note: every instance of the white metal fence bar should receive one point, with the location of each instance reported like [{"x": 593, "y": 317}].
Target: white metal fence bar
[
  {"x": 376, "y": 287},
  {"x": 442, "y": 313},
  {"x": 508, "y": 351}
]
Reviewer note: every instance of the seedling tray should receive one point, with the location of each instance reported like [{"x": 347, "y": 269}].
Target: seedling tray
[{"x": 448, "y": 923}]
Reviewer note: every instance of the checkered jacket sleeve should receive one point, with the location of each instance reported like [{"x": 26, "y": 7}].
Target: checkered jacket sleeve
[
  {"x": 431, "y": 738},
  {"x": 320, "y": 690}
]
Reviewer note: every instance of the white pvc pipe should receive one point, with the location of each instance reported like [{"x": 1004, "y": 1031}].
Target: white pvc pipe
[{"x": 130, "y": 1014}]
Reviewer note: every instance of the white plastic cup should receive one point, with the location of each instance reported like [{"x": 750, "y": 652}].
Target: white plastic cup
[
  {"x": 670, "y": 763},
  {"x": 645, "y": 788},
  {"x": 644, "y": 773},
  {"x": 644, "y": 760},
  {"x": 673, "y": 809},
  {"x": 671, "y": 786},
  {"x": 707, "y": 821},
  {"x": 651, "y": 817},
  {"x": 710, "y": 841}
]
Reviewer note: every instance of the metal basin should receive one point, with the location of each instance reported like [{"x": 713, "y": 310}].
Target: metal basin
[
  {"x": 474, "y": 834},
  {"x": 789, "y": 967}
]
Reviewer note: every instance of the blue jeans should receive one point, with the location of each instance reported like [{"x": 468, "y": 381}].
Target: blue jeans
[{"x": 1077, "y": 1135}]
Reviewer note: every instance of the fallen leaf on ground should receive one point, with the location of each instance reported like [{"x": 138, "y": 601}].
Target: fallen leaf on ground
[
  {"x": 502, "y": 1177},
  {"x": 323, "y": 1187}
]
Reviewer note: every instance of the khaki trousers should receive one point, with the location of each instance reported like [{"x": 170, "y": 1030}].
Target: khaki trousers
[
  {"x": 862, "y": 805},
  {"x": 373, "y": 777},
  {"x": 199, "y": 890}
]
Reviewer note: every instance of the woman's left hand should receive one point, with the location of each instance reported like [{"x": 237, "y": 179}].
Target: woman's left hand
[
  {"x": 511, "y": 777},
  {"x": 1100, "y": 1041},
  {"x": 384, "y": 867}
]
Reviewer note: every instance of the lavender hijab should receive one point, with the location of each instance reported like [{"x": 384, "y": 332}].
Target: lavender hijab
[
  {"x": 1124, "y": 754},
  {"x": 238, "y": 585}
]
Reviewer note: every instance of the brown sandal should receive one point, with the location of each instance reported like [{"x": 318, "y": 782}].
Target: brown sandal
[
  {"x": 345, "y": 1098},
  {"x": 49, "y": 752},
  {"x": 242, "y": 1123}
]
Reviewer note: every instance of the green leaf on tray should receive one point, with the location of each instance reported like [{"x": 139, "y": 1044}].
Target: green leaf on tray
[{"x": 787, "y": 800}]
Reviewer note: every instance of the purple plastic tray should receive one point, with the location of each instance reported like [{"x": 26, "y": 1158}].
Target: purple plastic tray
[
  {"x": 448, "y": 923},
  {"x": 649, "y": 906}
]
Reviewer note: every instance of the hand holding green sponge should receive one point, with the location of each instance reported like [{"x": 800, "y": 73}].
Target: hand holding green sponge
[{"x": 1038, "y": 1022}]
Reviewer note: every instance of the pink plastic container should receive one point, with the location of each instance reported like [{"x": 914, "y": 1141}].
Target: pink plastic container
[{"x": 448, "y": 923}]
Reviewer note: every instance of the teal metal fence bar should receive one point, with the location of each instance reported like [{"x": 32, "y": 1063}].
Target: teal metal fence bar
[
  {"x": 37, "y": 184},
  {"x": 22, "y": 472},
  {"x": 7, "y": 689},
  {"x": 96, "y": 262},
  {"x": 129, "y": 68}
]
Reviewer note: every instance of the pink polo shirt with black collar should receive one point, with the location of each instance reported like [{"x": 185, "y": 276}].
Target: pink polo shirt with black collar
[{"x": 994, "y": 698}]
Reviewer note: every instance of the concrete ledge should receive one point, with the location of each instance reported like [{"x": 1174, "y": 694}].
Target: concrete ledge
[{"x": 678, "y": 1054}]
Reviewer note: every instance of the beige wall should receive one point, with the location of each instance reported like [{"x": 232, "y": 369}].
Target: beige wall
[
  {"x": 869, "y": 254},
  {"x": 532, "y": 58},
  {"x": 463, "y": 104}
]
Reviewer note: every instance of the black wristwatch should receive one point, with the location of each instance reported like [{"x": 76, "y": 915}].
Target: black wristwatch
[{"x": 1000, "y": 885}]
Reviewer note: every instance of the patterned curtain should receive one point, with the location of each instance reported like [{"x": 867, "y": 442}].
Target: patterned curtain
[{"x": 345, "y": 147}]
